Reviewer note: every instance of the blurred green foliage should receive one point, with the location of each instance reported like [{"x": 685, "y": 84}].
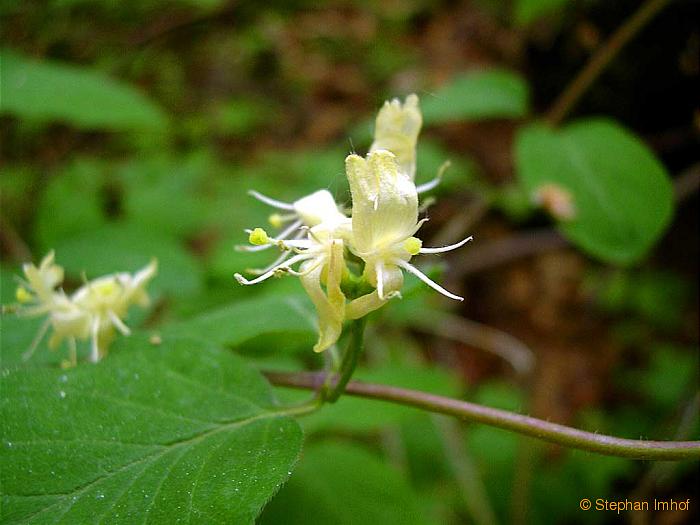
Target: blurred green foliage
[{"x": 48, "y": 91}]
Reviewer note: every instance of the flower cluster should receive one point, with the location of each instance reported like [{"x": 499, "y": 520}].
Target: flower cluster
[
  {"x": 92, "y": 312},
  {"x": 379, "y": 233}
]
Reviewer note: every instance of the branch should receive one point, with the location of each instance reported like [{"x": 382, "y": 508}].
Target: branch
[
  {"x": 478, "y": 335},
  {"x": 601, "y": 59},
  {"x": 529, "y": 426},
  {"x": 686, "y": 184},
  {"x": 501, "y": 251}
]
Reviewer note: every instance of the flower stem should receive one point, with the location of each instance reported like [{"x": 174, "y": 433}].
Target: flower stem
[
  {"x": 600, "y": 60},
  {"x": 529, "y": 426},
  {"x": 335, "y": 386}
]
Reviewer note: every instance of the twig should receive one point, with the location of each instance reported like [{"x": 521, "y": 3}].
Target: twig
[
  {"x": 687, "y": 183},
  {"x": 528, "y": 455},
  {"x": 12, "y": 242},
  {"x": 530, "y": 426},
  {"x": 479, "y": 335},
  {"x": 171, "y": 22},
  {"x": 465, "y": 471},
  {"x": 600, "y": 60},
  {"x": 463, "y": 222},
  {"x": 501, "y": 251},
  {"x": 659, "y": 471}
]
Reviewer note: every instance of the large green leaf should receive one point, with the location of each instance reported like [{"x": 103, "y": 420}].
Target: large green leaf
[
  {"x": 244, "y": 320},
  {"x": 622, "y": 195},
  {"x": 343, "y": 484},
  {"x": 51, "y": 91},
  {"x": 153, "y": 434},
  {"x": 477, "y": 95}
]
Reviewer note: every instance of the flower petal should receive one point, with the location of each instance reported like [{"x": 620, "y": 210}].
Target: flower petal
[
  {"x": 330, "y": 305},
  {"x": 316, "y": 208},
  {"x": 392, "y": 282},
  {"x": 385, "y": 202},
  {"x": 396, "y": 130}
]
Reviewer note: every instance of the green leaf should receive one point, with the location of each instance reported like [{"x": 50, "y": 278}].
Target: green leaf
[
  {"x": 124, "y": 247},
  {"x": 182, "y": 431},
  {"x": 49, "y": 91},
  {"x": 477, "y": 95},
  {"x": 622, "y": 195},
  {"x": 525, "y": 11},
  {"x": 247, "y": 319},
  {"x": 345, "y": 485}
]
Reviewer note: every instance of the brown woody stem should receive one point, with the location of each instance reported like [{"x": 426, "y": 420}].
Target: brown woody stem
[{"x": 529, "y": 426}]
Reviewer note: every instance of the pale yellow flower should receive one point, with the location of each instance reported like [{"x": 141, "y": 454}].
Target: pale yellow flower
[
  {"x": 381, "y": 231},
  {"x": 92, "y": 312},
  {"x": 384, "y": 222}
]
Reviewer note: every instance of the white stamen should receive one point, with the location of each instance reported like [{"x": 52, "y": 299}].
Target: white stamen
[
  {"x": 118, "y": 323},
  {"x": 270, "y": 273},
  {"x": 72, "y": 351},
  {"x": 310, "y": 269},
  {"x": 289, "y": 230},
  {"x": 422, "y": 188},
  {"x": 34, "y": 311},
  {"x": 418, "y": 225},
  {"x": 427, "y": 186},
  {"x": 379, "y": 270},
  {"x": 427, "y": 203},
  {"x": 293, "y": 243},
  {"x": 259, "y": 271},
  {"x": 37, "y": 339},
  {"x": 271, "y": 202},
  {"x": 94, "y": 348},
  {"x": 287, "y": 217},
  {"x": 435, "y": 286},
  {"x": 248, "y": 248},
  {"x": 447, "y": 248}
]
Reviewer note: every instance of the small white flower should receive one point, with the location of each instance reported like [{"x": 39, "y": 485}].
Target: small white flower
[
  {"x": 91, "y": 312},
  {"x": 321, "y": 258},
  {"x": 41, "y": 281},
  {"x": 384, "y": 222},
  {"x": 107, "y": 300}
]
